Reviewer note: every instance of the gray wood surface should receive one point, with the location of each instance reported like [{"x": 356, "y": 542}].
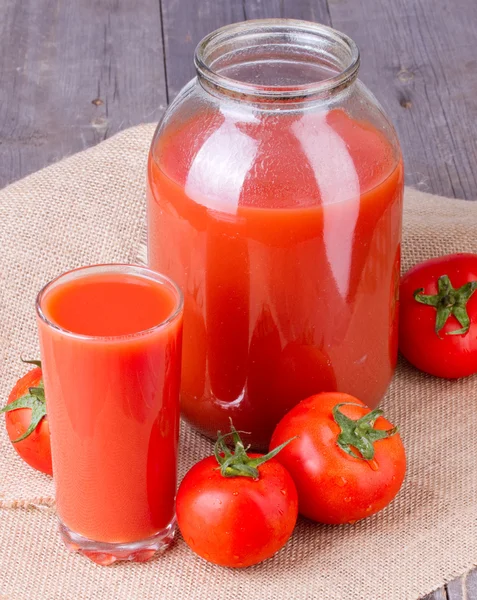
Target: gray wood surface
[
  {"x": 419, "y": 59},
  {"x": 73, "y": 72},
  {"x": 463, "y": 588},
  {"x": 185, "y": 23},
  {"x": 56, "y": 58}
]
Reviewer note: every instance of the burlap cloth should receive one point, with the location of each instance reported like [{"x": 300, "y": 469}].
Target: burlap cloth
[{"x": 90, "y": 208}]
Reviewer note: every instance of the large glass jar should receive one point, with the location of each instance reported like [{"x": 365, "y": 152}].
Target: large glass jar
[{"x": 275, "y": 187}]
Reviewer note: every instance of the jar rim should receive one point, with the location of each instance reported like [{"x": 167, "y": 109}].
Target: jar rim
[{"x": 299, "y": 32}]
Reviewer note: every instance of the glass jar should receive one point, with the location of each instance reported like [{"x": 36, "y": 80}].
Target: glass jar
[{"x": 275, "y": 185}]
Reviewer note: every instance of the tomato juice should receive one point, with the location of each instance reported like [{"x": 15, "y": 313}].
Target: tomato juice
[
  {"x": 284, "y": 235},
  {"x": 110, "y": 344}
]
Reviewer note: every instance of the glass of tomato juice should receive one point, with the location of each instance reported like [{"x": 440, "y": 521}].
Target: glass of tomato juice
[{"x": 110, "y": 339}]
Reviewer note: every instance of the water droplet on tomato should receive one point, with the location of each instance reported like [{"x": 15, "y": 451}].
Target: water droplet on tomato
[
  {"x": 284, "y": 492},
  {"x": 235, "y": 493}
]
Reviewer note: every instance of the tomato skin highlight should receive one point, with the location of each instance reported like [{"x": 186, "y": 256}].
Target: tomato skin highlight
[
  {"x": 35, "y": 450},
  {"x": 448, "y": 356},
  {"x": 333, "y": 487},
  {"x": 236, "y": 521}
]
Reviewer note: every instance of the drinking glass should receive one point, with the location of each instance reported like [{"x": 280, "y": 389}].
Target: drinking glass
[{"x": 110, "y": 338}]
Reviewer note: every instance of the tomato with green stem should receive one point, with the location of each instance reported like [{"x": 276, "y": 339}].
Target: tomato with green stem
[
  {"x": 236, "y": 509},
  {"x": 347, "y": 461},
  {"x": 438, "y": 316},
  {"x": 26, "y": 420}
]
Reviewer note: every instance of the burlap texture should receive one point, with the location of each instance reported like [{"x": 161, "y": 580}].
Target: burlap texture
[{"x": 90, "y": 208}]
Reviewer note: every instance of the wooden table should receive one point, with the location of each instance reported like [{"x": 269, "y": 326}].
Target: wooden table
[{"x": 74, "y": 72}]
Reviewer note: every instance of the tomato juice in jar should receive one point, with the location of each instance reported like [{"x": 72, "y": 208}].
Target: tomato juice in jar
[{"x": 275, "y": 186}]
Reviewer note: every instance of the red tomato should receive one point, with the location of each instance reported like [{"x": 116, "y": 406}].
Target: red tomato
[
  {"x": 438, "y": 316},
  {"x": 342, "y": 471},
  {"x": 33, "y": 447},
  {"x": 236, "y": 520}
]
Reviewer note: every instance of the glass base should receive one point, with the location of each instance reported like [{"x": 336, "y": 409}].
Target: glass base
[{"x": 106, "y": 553}]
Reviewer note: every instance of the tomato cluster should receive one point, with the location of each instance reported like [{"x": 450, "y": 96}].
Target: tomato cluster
[{"x": 331, "y": 458}]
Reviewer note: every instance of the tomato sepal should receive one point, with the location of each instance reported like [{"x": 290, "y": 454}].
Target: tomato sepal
[
  {"x": 36, "y": 363},
  {"x": 449, "y": 301},
  {"x": 236, "y": 462},
  {"x": 35, "y": 400},
  {"x": 360, "y": 434}
]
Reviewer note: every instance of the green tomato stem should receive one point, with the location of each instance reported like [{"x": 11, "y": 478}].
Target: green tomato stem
[
  {"x": 359, "y": 434},
  {"x": 236, "y": 462},
  {"x": 34, "y": 400},
  {"x": 449, "y": 301}
]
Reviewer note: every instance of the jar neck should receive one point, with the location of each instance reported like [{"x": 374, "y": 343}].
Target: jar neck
[{"x": 277, "y": 60}]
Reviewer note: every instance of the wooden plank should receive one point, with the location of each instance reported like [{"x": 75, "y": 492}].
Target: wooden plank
[
  {"x": 418, "y": 57},
  {"x": 56, "y": 58},
  {"x": 186, "y": 23},
  {"x": 462, "y": 588},
  {"x": 470, "y": 583},
  {"x": 309, "y": 10},
  {"x": 455, "y": 590},
  {"x": 439, "y": 594}
]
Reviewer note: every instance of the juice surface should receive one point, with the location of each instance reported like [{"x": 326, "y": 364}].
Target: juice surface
[
  {"x": 112, "y": 404},
  {"x": 284, "y": 235},
  {"x": 109, "y": 306}
]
